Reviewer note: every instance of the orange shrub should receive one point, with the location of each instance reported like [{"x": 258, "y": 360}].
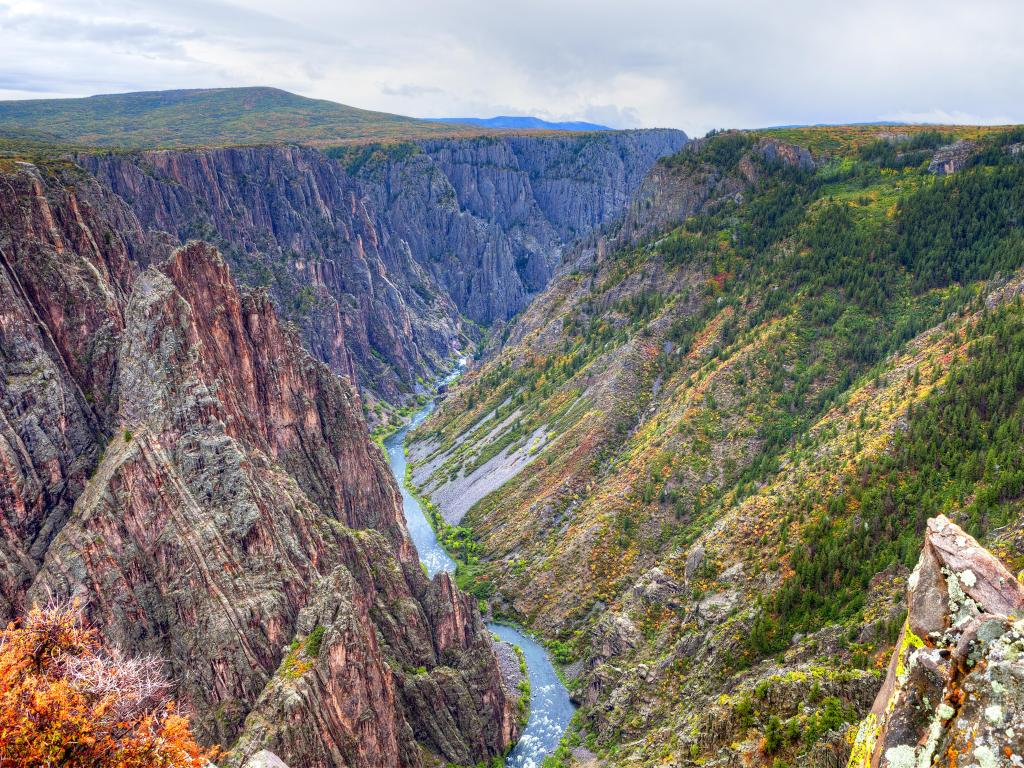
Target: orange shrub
[{"x": 67, "y": 701}]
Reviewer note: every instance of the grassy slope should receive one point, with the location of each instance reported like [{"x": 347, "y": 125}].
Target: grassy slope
[
  {"x": 761, "y": 382},
  {"x": 202, "y": 117}
]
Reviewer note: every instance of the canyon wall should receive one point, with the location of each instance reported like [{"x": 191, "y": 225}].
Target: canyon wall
[
  {"x": 377, "y": 255},
  {"x": 290, "y": 219},
  {"x": 171, "y": 456}
]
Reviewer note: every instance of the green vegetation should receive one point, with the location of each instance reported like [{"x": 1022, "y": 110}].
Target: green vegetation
[
  {"x": 523, "y": 702},
  {"x": 295, "y": 663},
  {"x": 202, "y": 117},
  {"x": 562, "y": 756},
  {"x": 860, "y": 285},
  {"x": 798, "y": 375},
  {"x": 961, "y": 451},
  {"x": 786, "y": 738},
  {"x": 314, "y": 641},
  {"x": 840, "y": 140},
  {"x": 457, "y": 540},
  {"x": 561, "y": 651},
  {"x": 366, "y": 158},
  {"x": 393, "y": 418},
  {"x": 965, "y": 228}
]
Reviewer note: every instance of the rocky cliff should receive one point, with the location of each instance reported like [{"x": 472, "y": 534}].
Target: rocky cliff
[
  {"x": 377, "y": 254},
  {"x": 520, "y": 202},
  {"x": 954, "y": 693},
  {"x": 292, "y": 220},
  {"x": 170, "y": 454}
]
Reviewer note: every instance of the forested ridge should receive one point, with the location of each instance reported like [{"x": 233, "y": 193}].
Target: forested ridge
[{"x": 757, "y": 409}]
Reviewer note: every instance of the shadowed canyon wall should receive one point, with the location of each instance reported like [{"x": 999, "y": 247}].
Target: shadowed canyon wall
[{"x": 377, "y": 255}]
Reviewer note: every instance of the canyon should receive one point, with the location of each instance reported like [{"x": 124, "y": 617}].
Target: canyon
[
  {"x": 736, "y": 439},
  {"x": 702, "y": 463},
  {"x": 381, "y": 256},
  {"x": 193, "y": 343},
  {"x": 174, "y": 459}
]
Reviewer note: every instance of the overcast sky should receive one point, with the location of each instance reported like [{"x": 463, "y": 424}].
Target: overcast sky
[{"x": 691, "y": 65}]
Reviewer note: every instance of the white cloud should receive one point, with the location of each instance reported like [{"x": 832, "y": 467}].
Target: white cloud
[{"x": 694, "y": 65}]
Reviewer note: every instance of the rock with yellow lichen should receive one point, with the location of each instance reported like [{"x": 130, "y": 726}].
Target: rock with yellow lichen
[{"x": 954, "y": 694}]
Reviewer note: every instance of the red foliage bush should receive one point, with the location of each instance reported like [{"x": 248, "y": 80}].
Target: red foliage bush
[{"x": 65, "y": 700}]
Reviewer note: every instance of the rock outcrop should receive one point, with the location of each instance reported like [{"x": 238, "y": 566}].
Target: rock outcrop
[
  {"x": 954, "y": 694},
  {"x": 952, "y": 158},
  {"x": 171, "y": 455},
  {"x": 377, "y": 255}
]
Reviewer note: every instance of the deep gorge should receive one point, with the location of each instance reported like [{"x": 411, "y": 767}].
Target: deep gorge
[
  {"x": 192, "y": 345},
  {"x": 736, "y": 416},
  {"x": 382, "y": 253}
]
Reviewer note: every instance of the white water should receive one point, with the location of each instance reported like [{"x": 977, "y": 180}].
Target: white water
[{"x": 550, "y": 708}]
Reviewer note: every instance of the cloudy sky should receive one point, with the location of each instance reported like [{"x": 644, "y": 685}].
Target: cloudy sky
[{"x": 686, "y": 64}]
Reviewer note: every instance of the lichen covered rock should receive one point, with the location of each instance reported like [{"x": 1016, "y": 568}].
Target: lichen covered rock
[{"x": 954, "y": 694}]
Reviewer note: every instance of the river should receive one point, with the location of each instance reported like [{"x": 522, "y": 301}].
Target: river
[{"x": 550, "y": 708}]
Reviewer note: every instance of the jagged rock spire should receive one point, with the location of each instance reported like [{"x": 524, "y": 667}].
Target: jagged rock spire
[{"x": 954, "y": 693}]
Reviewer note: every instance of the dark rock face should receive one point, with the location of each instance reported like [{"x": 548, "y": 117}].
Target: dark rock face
[
  {"x": 170, "y": 454},
  {"x": 952, "y": 158},
  {"x": 291, "y": 219},
  {"x": 499, "y": 212},
  {"x": 953, "y": 695},
  {"x": 377, "y": 260}
]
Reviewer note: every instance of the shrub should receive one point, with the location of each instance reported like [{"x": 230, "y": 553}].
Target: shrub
[
  {"x": 562, "y": 651},
  {"x": 314, "y": 641},
  {"x": 65, "y": 700}
]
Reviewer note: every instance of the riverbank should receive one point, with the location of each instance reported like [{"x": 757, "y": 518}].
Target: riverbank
[{"x": 512, "y": 662}]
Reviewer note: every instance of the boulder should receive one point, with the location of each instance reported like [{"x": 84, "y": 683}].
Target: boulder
[{"x": 265, "y": 759}]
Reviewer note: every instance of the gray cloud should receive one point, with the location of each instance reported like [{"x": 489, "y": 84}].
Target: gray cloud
[
  {"x": 610, "y": 114},
  {"x": 695, "y": 65},
  {"x": 409, "y": 91}
]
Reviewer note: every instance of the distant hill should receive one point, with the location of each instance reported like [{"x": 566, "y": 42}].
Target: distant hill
[
  {"x": 209, "y": 116},
  {"x": 525, "y": 122}
]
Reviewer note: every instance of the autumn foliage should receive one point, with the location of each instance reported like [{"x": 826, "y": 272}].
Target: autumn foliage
[{"x": 65, "y": 700}]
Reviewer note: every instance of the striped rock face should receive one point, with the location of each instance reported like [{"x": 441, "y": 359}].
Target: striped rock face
[{"x": 172, "y": 456}]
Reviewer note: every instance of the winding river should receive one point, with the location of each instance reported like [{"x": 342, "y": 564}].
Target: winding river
[{"x": 550, "y": 708}]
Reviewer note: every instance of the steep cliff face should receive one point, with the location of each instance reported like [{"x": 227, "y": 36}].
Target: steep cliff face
[
  {"x": 490, "y": 217},
  {"x": 954, "y": 693},
  {"x": 376, "y": 256},
  {"x": 64, "y": 277},
  {"x": 292, "y": 220},
  {"x": 172, "y": 456}
]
